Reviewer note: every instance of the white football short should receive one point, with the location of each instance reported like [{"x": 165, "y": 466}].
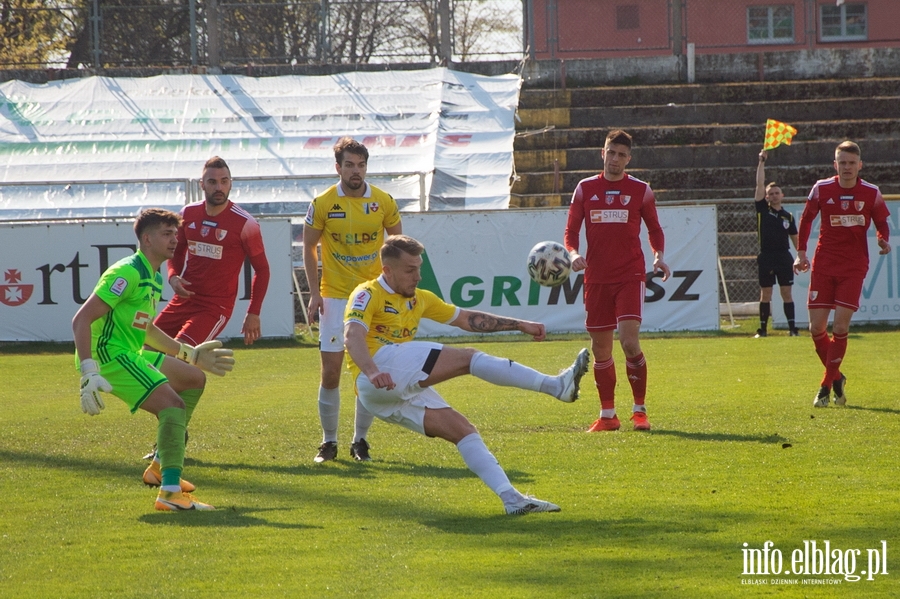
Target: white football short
[
  {"x": 404, "y": 404},
  {"x": 331, "y": 325}
]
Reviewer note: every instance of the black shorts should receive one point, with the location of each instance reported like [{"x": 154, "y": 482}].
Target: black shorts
[{"x": 775, "y": 267}]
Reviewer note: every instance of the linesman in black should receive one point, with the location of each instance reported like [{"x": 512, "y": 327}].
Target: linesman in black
[{"x": 774, "y": 226}]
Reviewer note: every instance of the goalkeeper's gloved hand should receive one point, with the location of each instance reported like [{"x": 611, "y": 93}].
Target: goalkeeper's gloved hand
[
  {"x": 208, "y": 356},
  {"x": 91, "y": 386}
]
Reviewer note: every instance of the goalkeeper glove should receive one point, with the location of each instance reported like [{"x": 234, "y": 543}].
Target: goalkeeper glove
[
  {"x": 208, "y": 356},
  {"x": 91, "y": 386}
]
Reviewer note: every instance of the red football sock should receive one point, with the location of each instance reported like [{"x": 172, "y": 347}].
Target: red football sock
[
  {"x": 822, "y": 344},
  {"x": 836, "y": 351},
  {"x": 636, "y": 369},
  {"x": 605, "y": 377}
]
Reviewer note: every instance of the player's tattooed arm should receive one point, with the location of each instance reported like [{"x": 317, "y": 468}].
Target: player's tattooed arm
[{"x": 483, "y": 322}]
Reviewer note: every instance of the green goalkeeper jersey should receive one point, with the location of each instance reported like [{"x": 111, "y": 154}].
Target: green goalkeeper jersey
[{"x": 132, "y": 289}]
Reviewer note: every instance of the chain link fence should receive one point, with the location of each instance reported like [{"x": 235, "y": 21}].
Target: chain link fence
[{"x": 213, "y": 33}]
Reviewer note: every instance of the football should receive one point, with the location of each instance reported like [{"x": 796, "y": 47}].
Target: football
[{"x": 549, "y": 264}]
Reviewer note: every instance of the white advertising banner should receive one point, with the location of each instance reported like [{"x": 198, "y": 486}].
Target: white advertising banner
[
  {"x": 48, "y": 271},
  {"x": 880, "y": 297},
  {"x": 457, "y": 128},
  {"x": 477, "y": 260}
]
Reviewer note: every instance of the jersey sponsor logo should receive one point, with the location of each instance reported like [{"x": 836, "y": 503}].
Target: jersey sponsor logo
[
  {"x": 844, "y": 204},
  {"x": 848, "y": 220},
  {"x": 372, "y": 207},
  {"x": 118, "y": 287},
  {"x": 830, "y": 201},
  {"x": 355, "y": 238},
  {"x": 850, "y": 197},
  {"x": 204, "y": 231},
  {"x": 352, "y": 259},
  {"x": 337, "y": 207},
  {"x": 860, "y": 205},
  {"x": 394, "y": 334},
  {"x": 610, "y": 199},
  {"x": 141, "y": 319},
  {"x": 609, "y": 216},
  {"x": 390, "y": 309},
  {"x": 211, "y": 223},
  {"x": 337, "y": 215},
  {"x": 361, "y": 300},
  {"x": 594, "y": 198},
  {"x": 205, "y": 250},
  {"x": 220, "y": 234},
  {"x": 310, "y": 214},
  {"x": 192, "y": 226},
  {"x": 625, "y": 200}
]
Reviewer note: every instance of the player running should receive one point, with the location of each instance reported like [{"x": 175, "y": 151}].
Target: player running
[
  {"x": 110, "y": 330},
  {"x": 395, "y": 375},
  {"x": 847, "y": 205}
]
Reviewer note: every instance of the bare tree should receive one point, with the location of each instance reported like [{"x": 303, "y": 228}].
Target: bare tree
[{"x": 479, "y": 26}]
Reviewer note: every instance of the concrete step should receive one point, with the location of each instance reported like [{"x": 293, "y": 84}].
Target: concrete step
[
  {"x": 709, "y": 93},
  {"x": 683, "y": 135},
  {"x": 796, "y": 181},
  {"x": 700, "y": 156},
  {"x": 543, "y": 200},
  {"x": 789, "y": 111}
]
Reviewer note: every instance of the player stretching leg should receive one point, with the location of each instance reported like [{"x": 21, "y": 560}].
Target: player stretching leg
[{"x": 395, "y": 374}]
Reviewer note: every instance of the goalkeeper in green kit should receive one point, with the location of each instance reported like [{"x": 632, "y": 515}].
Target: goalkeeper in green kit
[{"x": 110, "y": 330}]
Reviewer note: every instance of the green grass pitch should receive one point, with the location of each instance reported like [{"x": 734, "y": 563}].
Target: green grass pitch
[{"x": 737, "y": 455}]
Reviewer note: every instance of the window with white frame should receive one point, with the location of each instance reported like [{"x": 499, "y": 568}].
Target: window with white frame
[
  {"x": 770, "y": 24},
  {"x": 843, "y": 22}
]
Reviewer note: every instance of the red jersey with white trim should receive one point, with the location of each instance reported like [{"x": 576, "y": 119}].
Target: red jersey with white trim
[
  {"x": 843, "y": 249},
  {"x": 211, "y": 252},
  {"x": 612, "y": 212}
]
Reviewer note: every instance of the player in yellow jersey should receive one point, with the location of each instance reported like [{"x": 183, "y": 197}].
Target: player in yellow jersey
[
  {"x": 395, "y": 375},
  {"x": 349, "y": 219}
]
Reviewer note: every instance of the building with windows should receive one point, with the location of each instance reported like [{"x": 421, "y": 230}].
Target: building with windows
[{"x": 570, "y": 29}]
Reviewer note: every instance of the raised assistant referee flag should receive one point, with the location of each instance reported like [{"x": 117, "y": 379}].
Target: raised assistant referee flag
[{"x": 778, "y": 133}]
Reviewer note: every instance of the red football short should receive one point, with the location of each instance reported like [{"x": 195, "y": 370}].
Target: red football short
[
  {"x": 826, "y": 292},
  {"x": 608, "y": 303},
  {"x": 191, "y": 321}
]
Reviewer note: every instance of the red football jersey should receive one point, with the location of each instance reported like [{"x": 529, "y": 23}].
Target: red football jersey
[
  {"x": 843, "y": 249},
  {"x": 211, "y": 252},
  {"x": 612, "y": 212}
]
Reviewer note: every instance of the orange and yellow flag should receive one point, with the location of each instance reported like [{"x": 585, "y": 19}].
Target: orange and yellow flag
[{"x": 778, "y": 133}]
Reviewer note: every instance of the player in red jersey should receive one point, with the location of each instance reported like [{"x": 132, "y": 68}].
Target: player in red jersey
[
  {"x": 214, "y": 240},
  {"x": 612, "y": 205},
  {"x": 216, "y": 236},
  {"x": 847, "y": 205}
]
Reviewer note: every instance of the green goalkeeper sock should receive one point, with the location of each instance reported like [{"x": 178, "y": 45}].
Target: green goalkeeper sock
[
  {"x": 170, "y": 444},
  {"x": 191, "y": 398}
]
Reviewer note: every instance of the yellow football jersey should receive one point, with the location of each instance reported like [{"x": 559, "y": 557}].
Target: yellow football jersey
[
  {"x": 352, "y": 235},
  {"x": 391, "y": 318}
]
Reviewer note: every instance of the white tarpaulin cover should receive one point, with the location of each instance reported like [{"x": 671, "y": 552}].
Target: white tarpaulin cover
[{"x": 457, "y": 128}]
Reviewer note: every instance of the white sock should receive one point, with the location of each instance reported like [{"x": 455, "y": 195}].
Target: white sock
[
  {"x": 329, "y": 409},
  {"x": 502, "y": 371},
  {"x": 171, "y": 488},
  {"x": 363, "y": 421},
  {"x": 482, "y": 462},
  {"x": 607, "y": 413},
  {"x": 638, "y": 408}
]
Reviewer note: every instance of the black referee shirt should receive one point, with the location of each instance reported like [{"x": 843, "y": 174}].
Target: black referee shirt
[{"x": 774, "y": 228}]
